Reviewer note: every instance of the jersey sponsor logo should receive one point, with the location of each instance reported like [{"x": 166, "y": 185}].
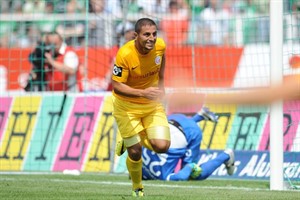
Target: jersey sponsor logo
[
  {"x": 157, "y": 60},
  {"x": 117, "y": 71},
  {"x": 152, "y": 73}
]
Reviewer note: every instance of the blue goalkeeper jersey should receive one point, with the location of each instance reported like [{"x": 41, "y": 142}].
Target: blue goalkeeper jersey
[{"x": 185, "y": 146}]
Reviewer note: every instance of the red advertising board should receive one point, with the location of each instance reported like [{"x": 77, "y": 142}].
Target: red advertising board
[{"x": 185, "y": 66}]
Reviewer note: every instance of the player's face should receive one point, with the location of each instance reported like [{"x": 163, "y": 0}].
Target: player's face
[{"x": 146, "y": 38}]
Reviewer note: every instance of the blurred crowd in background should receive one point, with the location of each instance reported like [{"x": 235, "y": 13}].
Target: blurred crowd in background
[{"x": 181, "y": 22}]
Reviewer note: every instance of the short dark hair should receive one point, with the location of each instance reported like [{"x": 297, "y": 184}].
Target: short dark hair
[{"x": 143, "y": 22}]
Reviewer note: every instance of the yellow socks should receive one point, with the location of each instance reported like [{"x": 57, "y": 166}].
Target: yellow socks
[{"x": 135, "y": 172}]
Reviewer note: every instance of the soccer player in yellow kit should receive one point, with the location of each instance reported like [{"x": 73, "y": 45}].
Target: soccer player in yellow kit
[{"x": 138, "y": 87}]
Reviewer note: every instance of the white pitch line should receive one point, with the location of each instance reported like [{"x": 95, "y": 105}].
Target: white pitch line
[{"x": 118, "y": 183}]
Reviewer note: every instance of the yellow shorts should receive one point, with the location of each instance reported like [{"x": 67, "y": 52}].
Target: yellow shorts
[{"x": 133, "y": 118}]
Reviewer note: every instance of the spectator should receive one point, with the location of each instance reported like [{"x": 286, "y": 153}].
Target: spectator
[
  {"x": 113, "y": 7},
  {"x": 100, "y": 30},
  {"x": 215, "y": 24},
  {"x": 48, "y": 25},
  {"x": 184, "y": 6},
  {"x": 62, "y": 73},
  {"x": 8, "y": 33},
  {"x": 29, "y": 37},
  {"x": 8, "y": 40},
  {"x": 132, "y": 7},
  {"x": 175, "y": 26},
  {"x": 4, "y": 7},
  {"x": 125, "y": 33},
  {"x": 196, "y": 6},
  {"x": 73, "y": 30},
  {"x": 154, "y": 6},
  {"x": 261, "y": 6},
  {"x": 33, "y": 6},
  {"x": 248, "y": 9},
  {"x": 49, "y": 7},
  {"x": 59, "y": 5},
  {"x": 293, "y": 23},
  {"x": 16, "y": 6},
  {"x": 81, "y": 6}
]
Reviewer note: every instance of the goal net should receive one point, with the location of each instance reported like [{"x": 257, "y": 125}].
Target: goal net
[{"x": 213, "y": 47}]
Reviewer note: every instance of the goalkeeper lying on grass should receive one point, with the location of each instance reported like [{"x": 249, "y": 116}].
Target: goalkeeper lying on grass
[{"x": 186, "y": 138}]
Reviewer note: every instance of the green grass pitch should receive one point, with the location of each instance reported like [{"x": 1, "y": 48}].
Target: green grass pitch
[{"x": 114, "y": 187}]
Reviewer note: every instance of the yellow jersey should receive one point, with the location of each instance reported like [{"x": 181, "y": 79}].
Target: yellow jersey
[{"x": 137, "y": 70}]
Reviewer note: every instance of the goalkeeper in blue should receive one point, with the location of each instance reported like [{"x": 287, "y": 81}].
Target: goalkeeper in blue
[{"x": 186, "y": 137}]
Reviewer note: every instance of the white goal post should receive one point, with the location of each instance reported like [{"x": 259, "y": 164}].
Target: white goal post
[{"x": 276, "y": 111}]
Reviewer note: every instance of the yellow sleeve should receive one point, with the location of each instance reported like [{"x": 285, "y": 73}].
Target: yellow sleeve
[
  {"x": 161, "y": 45},
  {"x": 120, "y": 71}
]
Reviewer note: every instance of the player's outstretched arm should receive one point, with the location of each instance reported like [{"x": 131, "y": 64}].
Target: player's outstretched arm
[{"x": 290, "y": 90}]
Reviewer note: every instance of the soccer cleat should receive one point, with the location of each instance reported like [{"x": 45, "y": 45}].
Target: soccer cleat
[
  {"x": 196, "y": 170},
  {"x": 208, "y": 115},
  {"x": 230, "y": 167},
  {"x": 120, "y": 148},
  {"x": 138, "y": 192}
]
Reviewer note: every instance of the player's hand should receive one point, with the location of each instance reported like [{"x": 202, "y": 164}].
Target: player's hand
[{"x": 153, "y": 93}]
